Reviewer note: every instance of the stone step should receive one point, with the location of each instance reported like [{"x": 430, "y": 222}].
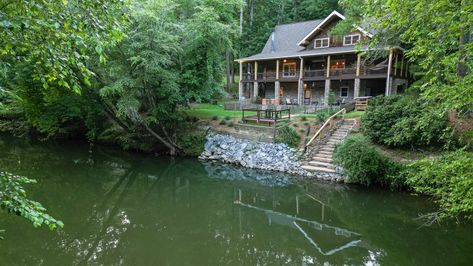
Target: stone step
[
  {"x": 315, "y": 168},
  {"x": 321, "y": 164},
  {"x": 322, "y": 159},
  {"x": 324, "y": 153},
  {"x": 327, "y": 149}
]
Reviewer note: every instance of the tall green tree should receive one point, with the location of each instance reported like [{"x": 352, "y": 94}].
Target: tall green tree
[{"x": 438, "y": 38}]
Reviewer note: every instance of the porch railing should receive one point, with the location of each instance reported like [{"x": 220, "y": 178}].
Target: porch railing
[
  {"x": 315, "y": 73},
  {"x": 248, "y": 76},
  {"x": 290, "y": 74},
  {"x": 267, "y": 75},
  {"x": 343, "y": 71},
  {"x": 367, "y": 70}
]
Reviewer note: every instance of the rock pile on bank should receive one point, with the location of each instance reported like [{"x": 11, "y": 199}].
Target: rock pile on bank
[{"x": 257, "y": 155}]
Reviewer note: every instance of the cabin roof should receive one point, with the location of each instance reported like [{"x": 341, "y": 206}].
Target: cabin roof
[{"x": 286, "y": 36}]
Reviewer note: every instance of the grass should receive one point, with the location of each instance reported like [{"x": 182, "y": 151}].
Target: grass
[
  {"x": 354, "y": 114},
  {"x": 208, "y": 111}
]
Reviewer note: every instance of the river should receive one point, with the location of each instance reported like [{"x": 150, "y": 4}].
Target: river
[{"x": 122, "y": 208}]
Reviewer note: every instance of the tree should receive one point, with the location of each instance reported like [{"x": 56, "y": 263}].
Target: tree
[
  {"x": 437, "y": 35},
  {"x": 13, "y": 199}
]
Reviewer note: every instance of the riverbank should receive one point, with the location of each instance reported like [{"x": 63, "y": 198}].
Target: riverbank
[{"x": 260, "y": 155}]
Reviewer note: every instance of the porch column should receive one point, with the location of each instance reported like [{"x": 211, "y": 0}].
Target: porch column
[
  {"x": 388, "y": 78},
  {"x": 255, "y": 90},
  {"x": 240, "y": 83},
  {"x": 328, "y": 66},
  {"x": 327, "y": 91},
  {"x": 256, "y": 70},
  {"x": 356, "y": 89},
  {"x": 276, "y": 91},
  {"x": 395, "y": 64},
  {"x": 300, "y": 87},
  {"x": 276, "y": 83}
]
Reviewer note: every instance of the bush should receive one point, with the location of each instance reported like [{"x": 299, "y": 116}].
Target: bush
[
  {"x": 306, "y": 123},
  {"x": 302, "y": 130},
  {"x": 322, "y": 116},
  {"x": 405, "y": 121},
  {"x": 223, "y": 122},
  {"x": 215, "y": 117},
  {"x": 231, "y": 124},
  {"x": 227, "y": 118},
  {"x": 193, "y": 144},
  {"x": 363, "y": 164},
  {"x": 449, "y": 179},
  {"x": 303, "y": 118},
  {"x": 288, "y": 135},
  {"x": 295, "y": 125}
]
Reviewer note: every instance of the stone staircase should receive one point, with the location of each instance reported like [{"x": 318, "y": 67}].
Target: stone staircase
[{"x": 320, "y": 160}]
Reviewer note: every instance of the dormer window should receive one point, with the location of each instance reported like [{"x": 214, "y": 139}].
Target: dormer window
[
  {"x": 321, "y": 43},
  {"x": 351, "y": 39}
]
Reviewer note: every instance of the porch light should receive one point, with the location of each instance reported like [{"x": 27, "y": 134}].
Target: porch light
[{"x": 284, "y": 60}]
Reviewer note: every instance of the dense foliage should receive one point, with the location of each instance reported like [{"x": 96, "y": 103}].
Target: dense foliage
[
  {"x": 363, "y": 164},
  {"x": 438, "y": 36},
  {"x": 405, "y": 121},
  {"x": 13, "y": 199},
  {"x": 288, "y": 135},
  {"x": 449, "y": 179}
]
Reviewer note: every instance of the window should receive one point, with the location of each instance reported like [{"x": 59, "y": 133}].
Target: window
[
  {"x": 321, "y": 43},
  {"x": 351, "y": 39},
  {"x": 289, "y": 70},
  {"x": 343, "y": 92}
]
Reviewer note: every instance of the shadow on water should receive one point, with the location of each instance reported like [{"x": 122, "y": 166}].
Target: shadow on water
[{"x": 130, "y": 209}]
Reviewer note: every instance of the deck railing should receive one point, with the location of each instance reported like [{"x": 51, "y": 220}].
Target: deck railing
[
  {"x": 327, "y": 124},
  {"x": 343, "y": 71},
  {"x": 369, "y": 70},
  {"x": 315, "y": 73},
  {"x": 267, "y": 75}
]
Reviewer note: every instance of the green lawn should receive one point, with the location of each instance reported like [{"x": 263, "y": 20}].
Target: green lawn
[
  {"x": 354, "y": 114},
  {"x": 207, "y": 111}
]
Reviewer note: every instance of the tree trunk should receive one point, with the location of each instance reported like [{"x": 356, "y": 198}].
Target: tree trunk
[
  {"x": 227, "y": 68},
  {"x": 252, "y": 11},
  {"x": 241, "y": 16},
  {"x": 173, "y": 150}
]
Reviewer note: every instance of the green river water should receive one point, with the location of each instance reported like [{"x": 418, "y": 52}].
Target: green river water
[{"x": 131, "y": 209}]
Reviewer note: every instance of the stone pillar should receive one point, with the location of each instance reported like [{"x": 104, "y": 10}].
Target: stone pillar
[
  {"x": 356, "y": 90},
  {"x": 327, "y": 91},
  {"x": 240, "y": 84},
  {"x": 276, "y": 91},
  {"x": 255, "y": 90},
  {"x": 300, "y": 87},
  {"x": 388, "y": 78}
]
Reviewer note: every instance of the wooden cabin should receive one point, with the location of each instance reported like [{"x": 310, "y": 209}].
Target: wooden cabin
[{"x": 302, "y": 63}]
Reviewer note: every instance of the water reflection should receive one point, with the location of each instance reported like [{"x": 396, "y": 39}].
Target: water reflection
[{"x": 128, "y": 209}]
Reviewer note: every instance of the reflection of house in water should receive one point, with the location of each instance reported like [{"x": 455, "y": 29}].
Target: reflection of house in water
[{"x": 326, "y": 239}]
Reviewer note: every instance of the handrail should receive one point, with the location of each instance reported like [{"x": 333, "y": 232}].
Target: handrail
[{"x": 324, "y": 125}]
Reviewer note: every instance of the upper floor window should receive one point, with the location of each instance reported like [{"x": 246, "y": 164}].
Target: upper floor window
[
  {"x": 289, "y": 70},
  {"x": 321, "y": 43},
  {"x": 343, "y": 92},
  {"x": 351, "y": 39}
]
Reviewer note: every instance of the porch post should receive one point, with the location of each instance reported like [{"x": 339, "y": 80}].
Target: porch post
[
  {"x": 356, "y": 89},
  {"x": 276, "y": 83},
  {"x": 327, "y": 83},
  {"x": 255, "y": 90},
  {"x": 395, "y": 64},
  {"x": 327, "y": 91},
  {"x": 300, "y": 87},
  {"x": 256, "y": 70},
  {"x": 388, "y": 78},
  {"x": 240, "y": 83}
]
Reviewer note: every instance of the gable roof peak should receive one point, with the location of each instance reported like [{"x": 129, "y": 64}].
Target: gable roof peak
[{"x": 334, "y": 13}]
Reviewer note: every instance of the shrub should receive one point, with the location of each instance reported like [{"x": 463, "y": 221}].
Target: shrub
[
  {"x": 227, "y": 118},
  {"x": 306, "y": 123},
  {"x": 295, "y": 125},
  {"x": 302, "y": 130},
  {"x": 449, "y": 179},
  {"x": 223, "y": 122},
  {"x": 192, "y": 144},
  {"x": 288, "y": 135},
  {"x": 322, "y": 116},
  {"x": 303, "y": 118},
  {"x": 215, "y": 117},
  {"x": 231, "y": 124},
  {"x": 405, "y": 121},
  {"x": 363, "y": 164}
]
